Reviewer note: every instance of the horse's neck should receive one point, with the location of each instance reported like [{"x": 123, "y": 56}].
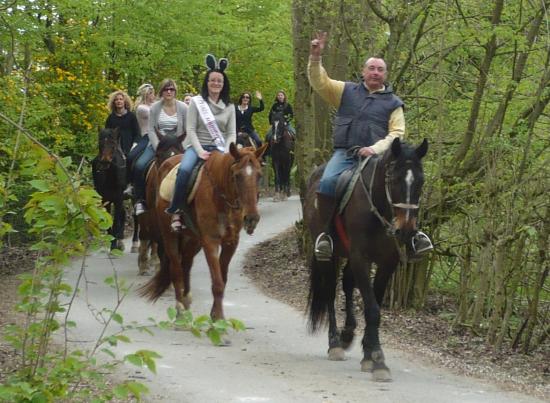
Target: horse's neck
[
  {"x": 219, "y": 170},
  {"x": 374, "y": 176}
]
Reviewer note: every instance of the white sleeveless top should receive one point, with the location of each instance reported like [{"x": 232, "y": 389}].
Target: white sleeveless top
[
  {"x": 167, "y": 124},
  {"x": 142, "y": 114}
]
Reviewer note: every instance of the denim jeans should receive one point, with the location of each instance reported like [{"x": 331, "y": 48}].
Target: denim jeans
[
  {"x": 140, "y": 168},
  {"x": 135, "y": 153},
  {"x": 337, "y": 164},
  {"x": 188, "y": 162}
]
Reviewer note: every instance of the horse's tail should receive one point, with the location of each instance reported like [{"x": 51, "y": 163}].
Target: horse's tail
[
  {"x": 322, "y": 291},
  {"x": 160, "y": 282}
]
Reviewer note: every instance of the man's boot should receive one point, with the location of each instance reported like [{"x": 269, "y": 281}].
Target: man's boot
[{"x": 323, "y": 244}]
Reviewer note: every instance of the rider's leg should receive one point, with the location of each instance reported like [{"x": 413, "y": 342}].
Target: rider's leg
[
  {"x": 179, "y": 202},
  {"x": 140, "y": 170},
  {"x": 131, "y": 161},
  {"x": 256, "y": 138},
  {"x": 327, "y": 202}
]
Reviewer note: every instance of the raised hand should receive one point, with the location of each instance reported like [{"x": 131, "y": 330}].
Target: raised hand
[
  {"x": 317, "y": 45},
  {"x": 258, "y": 95}
]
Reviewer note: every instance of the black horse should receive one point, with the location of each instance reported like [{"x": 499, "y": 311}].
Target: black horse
[
  {"x": 109, "y": 176},
  {"x": 281, "y": 145},
  {"x": 378, "y": 219},
  {"x": 244, "y": 139}
]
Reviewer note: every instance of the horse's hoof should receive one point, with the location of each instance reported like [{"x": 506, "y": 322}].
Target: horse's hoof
[
  {"x": 144, "y": 273},
  {"x": 381, "y": 375},
  {"x": 346, "y": 338},
  {"x": 336, "y": 354},
  {"x": 276, "y": 198},
  {"x": 366, "y": 365},
  {"x": 187, "y": 300}
]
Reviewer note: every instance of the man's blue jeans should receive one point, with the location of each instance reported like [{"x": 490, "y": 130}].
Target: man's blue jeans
[
  {"x": 187, "y": 164},
  {"x": 337, "y": 164}
]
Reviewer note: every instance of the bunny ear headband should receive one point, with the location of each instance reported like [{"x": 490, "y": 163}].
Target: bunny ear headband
[{"x": 212, "y": 64}]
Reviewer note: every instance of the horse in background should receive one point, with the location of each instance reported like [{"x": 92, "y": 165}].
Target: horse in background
[
  {"x": 379, "y": 218},
  {"x": 109, "y": 177},
  {"x": 149, "y": 232},
  {"x": 281, "y": 145},
  {"x": 244, "y": 139},
  {"x": 225, "y": 201}
]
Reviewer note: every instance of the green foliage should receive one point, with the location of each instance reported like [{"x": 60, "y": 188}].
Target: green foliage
[{"x": 204, "y": 324}]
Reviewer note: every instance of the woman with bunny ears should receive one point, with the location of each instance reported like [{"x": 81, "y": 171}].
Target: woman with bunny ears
[{"x": 210, "y": 128}]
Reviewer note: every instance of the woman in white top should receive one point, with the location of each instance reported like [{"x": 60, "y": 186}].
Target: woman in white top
[
  {"x": 215, "y": 95},
  {"x": 144, "y": 100},
  {"x": 168, "y": 116}
]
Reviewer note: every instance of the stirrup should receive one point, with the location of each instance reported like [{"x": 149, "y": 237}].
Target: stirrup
[
  {"x": 323, "y": 247},
  {"x": 176, "y": 225},
  {"x": 421, "y": 244}
]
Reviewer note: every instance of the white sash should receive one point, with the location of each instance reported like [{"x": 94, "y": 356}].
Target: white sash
[{"x": 210, "y": 122}]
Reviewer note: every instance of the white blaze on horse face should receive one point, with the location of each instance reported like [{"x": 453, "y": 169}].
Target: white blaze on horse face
[
  {"x": 409, "y": 180},
  {"x": 248, "y": 170}
]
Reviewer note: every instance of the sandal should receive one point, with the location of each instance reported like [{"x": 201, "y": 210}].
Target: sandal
[{"x": 176, "y": 225}]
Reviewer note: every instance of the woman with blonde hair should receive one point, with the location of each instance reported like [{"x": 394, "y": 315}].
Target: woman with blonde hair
[
  {"x": 123, "y": 119},
  {"x": 144, "y": 100}
]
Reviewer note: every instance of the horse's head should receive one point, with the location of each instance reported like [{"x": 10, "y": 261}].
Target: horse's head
[
  {"x": 168, "y": 146},
  {"x": 278, "y": 127},
  {"x": 246, "y": 172},
  {"x": 108, "y": 141},
  {"x": 403, "y": 181}
]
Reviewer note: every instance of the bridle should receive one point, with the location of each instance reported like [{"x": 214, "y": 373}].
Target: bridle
[{"x": 388, "y": 178}]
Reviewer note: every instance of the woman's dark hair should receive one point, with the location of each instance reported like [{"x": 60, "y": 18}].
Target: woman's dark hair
[
  {"x": 242, "y": 96},
  {"x": 224, "y": 94}
]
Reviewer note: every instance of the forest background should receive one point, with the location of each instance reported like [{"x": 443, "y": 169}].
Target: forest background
[{"x": 474, "y": 77}]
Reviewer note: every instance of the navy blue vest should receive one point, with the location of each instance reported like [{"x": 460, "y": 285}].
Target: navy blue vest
[{"x": 362, "y": 118}]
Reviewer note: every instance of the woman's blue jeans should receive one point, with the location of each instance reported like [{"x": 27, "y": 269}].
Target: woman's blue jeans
[
  {"x": 188, "y": 162},
  {"x": 338, "y": 163},
  {"x": 140, "y": 168}
]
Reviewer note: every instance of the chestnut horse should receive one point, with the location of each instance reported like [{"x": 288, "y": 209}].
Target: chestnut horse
[
  {"x": 379, "y": 217},
  {"x": 149, "y": 232},
  {"x": 225, "y": 201}
]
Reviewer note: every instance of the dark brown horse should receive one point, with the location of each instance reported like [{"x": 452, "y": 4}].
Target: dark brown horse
[
  {"x": 379, "y": 217},
  {"x": 109, "y": 176},
  {"x": 149, "y": 231},
  {"x": 225, "y": 201},
  {"x": 281, "y": 145}
]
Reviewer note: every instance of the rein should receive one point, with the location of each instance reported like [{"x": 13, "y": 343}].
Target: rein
[{"x": 390, "y": 229}]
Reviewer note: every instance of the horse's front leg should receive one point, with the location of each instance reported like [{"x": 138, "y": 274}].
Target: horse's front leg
[
  {"x": 373, "y": 356},
  {"x": 347, "y": 334},
  {"x": 211, "y": 247},
  {"x": 228, "y": 250}
]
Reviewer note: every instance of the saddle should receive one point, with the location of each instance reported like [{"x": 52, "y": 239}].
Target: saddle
[{"x": 168, "y": 184}]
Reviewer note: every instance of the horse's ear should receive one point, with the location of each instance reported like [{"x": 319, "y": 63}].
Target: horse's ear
[
  {"x": 260, "y": 151},
  {"x": 234, "y": 151},
  {"x": 396, "y": 147},
  {"x": 422, "y": 149}
]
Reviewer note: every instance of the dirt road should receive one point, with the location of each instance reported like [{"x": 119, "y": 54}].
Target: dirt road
[{"x": 274, "y": 360}]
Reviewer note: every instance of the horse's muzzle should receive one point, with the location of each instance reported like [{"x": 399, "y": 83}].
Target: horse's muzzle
[{"x": 250, "y": 222}]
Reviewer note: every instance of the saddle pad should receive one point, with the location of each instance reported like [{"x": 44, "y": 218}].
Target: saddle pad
[
  {"x": 349, "y": 188},
  {"x": 168, "y": 184},
  {"x": 166, "y": 190}
]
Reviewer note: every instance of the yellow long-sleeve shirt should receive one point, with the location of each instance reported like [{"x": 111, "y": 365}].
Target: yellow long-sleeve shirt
[{"x": 331, "y": 91}]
